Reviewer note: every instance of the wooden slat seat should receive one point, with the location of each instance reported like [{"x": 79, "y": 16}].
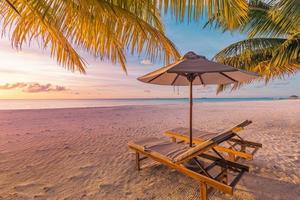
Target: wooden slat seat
[
  {"x": 182, "y": 134},
  {"x": 176, "y": 155}
]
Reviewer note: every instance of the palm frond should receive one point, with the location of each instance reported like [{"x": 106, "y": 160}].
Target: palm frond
[
  {"x": 287, "y": 54},
  {"x": 277, "y": 53},
  {"x": 32, "y": 23},
  {"x": 260, "y": 23},
  {"x": 234, "y": 12},
  {"x": 107, "y": 29},
  {"x": 271, "y": 22},
  {"x": 248, "y": 45},
  {"x": 260, "y": 61},
  {"x": 286, "y": 14},
  {"x": 270, "y": 57},
  {"x": 223, "y": 87},
  {"x": 12, "y": 6},
  {"x": 268, "y": 19},
  {"x": 120, "y": 32}
]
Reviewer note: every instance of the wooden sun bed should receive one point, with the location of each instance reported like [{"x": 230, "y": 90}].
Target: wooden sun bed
[
  {"x": 211, "y": 168},
  {"x": 237, "y": 146}
]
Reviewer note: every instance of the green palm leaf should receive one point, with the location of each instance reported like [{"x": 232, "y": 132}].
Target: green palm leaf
[
  {"x": 288, "y": 54},
  {"x": 277, "y": 53},
  {"x": 241, "y": 48},
  {"x": 233, "y": 12}
]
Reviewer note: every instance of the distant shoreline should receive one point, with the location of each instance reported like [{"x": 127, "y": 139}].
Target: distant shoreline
[
  {"x": 98, "y": 103},
  {"x": 159, "y": 98}
]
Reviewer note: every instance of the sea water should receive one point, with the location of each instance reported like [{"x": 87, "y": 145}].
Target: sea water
[{"x": 81, "y": 103}]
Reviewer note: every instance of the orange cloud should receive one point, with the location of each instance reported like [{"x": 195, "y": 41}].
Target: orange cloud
[{"x": 33, "y": 87}]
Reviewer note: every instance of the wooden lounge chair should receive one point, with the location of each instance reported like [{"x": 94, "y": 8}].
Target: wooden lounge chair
[
  {"x": 236, "y": 147},
  {"x": 211, "y": 168}
]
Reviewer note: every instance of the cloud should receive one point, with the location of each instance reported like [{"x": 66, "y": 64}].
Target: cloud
[
  {"x": 146, "y": 62},
  {"x": 9, "y": 86},
  {"x": 147, "y": 91},
  {"x": 33, "y": 87}
]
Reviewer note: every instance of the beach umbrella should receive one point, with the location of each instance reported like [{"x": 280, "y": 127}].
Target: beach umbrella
[{"x": 193, "y": 69}]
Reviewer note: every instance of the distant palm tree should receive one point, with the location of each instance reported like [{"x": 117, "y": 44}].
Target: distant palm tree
[
  {"x": 107, "y": 29},
  {"x": 273, "y": 46}
]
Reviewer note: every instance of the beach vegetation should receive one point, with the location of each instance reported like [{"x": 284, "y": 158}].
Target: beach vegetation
[{"x": 272, "y": 48}]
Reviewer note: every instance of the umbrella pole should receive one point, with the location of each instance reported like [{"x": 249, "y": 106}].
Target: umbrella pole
[{"x": 191, "y": 113}]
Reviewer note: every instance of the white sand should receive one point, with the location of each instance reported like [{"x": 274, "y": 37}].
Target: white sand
[{"x": 83, "y": 154}]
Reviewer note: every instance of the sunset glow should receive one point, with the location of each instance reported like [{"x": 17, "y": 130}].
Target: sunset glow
[{"x": 105, "y": 80}]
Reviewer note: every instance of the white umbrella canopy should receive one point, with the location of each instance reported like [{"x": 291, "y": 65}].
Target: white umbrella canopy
[
  {"x": 198, "y": 68},
  {"x": 193, "y": 69}
]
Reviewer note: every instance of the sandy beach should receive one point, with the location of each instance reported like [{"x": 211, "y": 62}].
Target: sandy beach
[{"x": 82, "y": 153}]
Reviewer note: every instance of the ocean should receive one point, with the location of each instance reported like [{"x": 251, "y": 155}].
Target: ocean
[{"x": 82, "y": 103}]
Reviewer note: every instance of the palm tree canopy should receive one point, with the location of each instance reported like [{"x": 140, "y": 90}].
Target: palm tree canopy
[
  {"x": 273, "y": 46},
  {"x": 107, "y": 29}
]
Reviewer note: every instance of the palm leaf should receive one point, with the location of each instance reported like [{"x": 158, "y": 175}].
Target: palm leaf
[
  {"x": 108, "y": 29},
  {"x": 288, "y": 54},
  {"x": 33, "y": 24},
  {"x": 12, "y": 6},
  {"x": 286, "y": 14},
  {"x": 104, "y": 28},
  {"x": 261, "y": 55},
  {"x": 252, "y": 44},
  {"x": 267, "y": 22},
  {"x": 270, "y": 56},
  {"x": 233, "y": 12},
  {"x": 257, "y": 16},
  {"x": 282, "y": 55}
]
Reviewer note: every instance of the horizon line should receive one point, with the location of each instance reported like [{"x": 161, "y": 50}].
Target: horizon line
[{"x": 145, "y": 98}]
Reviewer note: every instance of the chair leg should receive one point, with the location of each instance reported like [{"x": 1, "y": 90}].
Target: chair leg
[
  {"x": 225, "y": 177},
  {"x": 173, "y": 139},
  {"x": 243, "y": 148},
  {"x": 137, "y": 155},
  {"x": 203, "y": 191}
]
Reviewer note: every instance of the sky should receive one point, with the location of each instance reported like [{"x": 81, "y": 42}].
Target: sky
[{"x": 32, "y": 74}]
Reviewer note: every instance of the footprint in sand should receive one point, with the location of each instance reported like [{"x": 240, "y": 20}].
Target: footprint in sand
[
  {"x": 108, "y": 188},
  {"x": 39, "y": 197},
  {"x": 48, "y": 189},
  {"x": 25, "y": 187}
]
